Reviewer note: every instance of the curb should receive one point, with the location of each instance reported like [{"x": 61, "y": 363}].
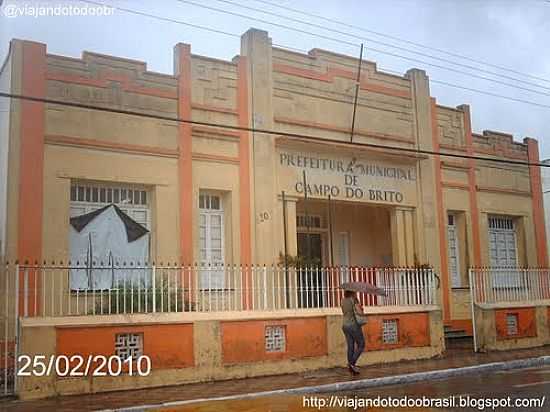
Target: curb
[{"x": 363, "y": 383}]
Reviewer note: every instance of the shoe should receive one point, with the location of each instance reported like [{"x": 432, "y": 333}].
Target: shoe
[{"x": 353, "y": 370}]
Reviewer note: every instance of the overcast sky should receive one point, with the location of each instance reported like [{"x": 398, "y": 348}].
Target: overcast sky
[{"x": 508, "y": 33}]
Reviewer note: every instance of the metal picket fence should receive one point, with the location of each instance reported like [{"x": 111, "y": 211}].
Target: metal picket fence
[
  {"x": 86, "y": 289},
  {"x": 509, "y": 284},
  {"x": 66, "y": 290}
]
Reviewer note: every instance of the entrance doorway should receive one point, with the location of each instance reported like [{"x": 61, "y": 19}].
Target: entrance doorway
[{"x": 311, "y": 284}]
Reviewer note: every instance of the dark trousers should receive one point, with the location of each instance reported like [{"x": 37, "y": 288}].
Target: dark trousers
[{"x": 355, "y": 341}]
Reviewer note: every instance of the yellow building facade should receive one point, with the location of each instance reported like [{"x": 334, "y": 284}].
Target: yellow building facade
[{"x": 228, "y": 193}]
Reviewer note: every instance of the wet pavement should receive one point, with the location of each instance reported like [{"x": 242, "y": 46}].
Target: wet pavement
[
  {"x": 483, "y": 391},
  {"x": 452, "y": 359}
]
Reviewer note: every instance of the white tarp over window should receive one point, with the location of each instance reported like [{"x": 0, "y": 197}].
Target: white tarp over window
[{"x": 105, "y": 247}]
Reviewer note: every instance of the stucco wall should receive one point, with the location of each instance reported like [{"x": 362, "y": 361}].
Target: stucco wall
[
  {"x": 491, "y": 332},
  {"x": 266, "y": 88},
  {"x": 5, "y": 107},
  {"x": 213, "y": 346}
]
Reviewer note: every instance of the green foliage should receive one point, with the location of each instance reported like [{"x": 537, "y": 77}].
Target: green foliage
[
  {"x": 298, "y": 261},
  {"x": 129, "y": 298}
]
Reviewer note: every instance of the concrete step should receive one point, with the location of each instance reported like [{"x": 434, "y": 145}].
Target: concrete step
[{"x": 456, "y": 334}]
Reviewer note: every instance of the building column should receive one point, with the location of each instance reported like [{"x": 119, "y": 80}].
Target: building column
[
  {"x": 441, "y": 217},
  {"x": 474, "y": 210},
  {"x": 402, "y": 233},
  {"x": 430, "y": 203},
  {"x": 244, "y": 163},
  {"x": 31, "y": 167},
  {"x": 182, "y": 69},
  {"x": 538, "y": 208},
  {"x": 291, "y": 232},
  {"x": 256, "y": 47}
]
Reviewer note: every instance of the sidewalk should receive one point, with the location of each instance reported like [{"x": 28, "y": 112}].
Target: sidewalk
[{"x": 453, "y": 358}]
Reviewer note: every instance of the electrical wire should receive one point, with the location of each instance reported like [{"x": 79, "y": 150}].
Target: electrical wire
[
  {"x": 308, "y": 137},
  {"x": 416, "y": 44},
  {"x": 205, "y": 28},
  {"x": 367, "y": 39},
  {"x": 321, "y": 36},
  {"x": 432, "y": 80}
]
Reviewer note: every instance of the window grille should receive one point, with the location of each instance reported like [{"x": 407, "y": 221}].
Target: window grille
[
  {"x": 88, "y": 197},
  {"x": 210, "y": 202},
  {"x": 501, "y": 222},
  {"x": 211, "y": 240},
  {"x": 275, "y": 338},
  {"x": 390, "y": 331},
  {"x": 312, "y": 221},
  {"x": 453, "y": 251},
  {"x": 502, "y": 242},
  {"x": 512, "y": 324},
  {"x": 129, "y": 345}
]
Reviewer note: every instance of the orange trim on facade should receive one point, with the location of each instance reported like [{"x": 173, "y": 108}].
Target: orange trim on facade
[
  {"x": 210, "y": 108},
  {"x": 244, "y": 164},
  {"x": 185, "y": 163},
  {"x": 453, "y": 147},
  {"x": 110, "y": 146},
  {"x": 493, "y": 189},
  {"x": 538, "y": 208},
  {"x": 332, "y": 73},
  {"x": 31, "y": 160},
  {"x": 441, "y": 216},
  {"x": 105, "y": 77},
  {"x": 491, "y": 152},
  {"x": 500, "y": 153},
  {"x": 474, "y": 212},
  {"x": 526, "y": 326},
  {"x": 413, "y": 330},
  {"x": 165, "y": 351},
  {"x": 215, "y": 131},
  {"x": 462, "y": 324},
  {"x": 346, "y": 130},
  {"x": 490, "y": 189},
  {"x": 244, "y": 341},
  {"x": 215, "y": 158},
  {"x": 454, "y": 165},
  {"x": 456, "y": 185}
]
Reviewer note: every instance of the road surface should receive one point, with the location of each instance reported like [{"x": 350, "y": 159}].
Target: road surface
[{"x": 498, "y": 389}]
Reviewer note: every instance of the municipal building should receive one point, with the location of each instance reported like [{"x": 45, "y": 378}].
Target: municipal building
[{"x": 287, "y": 175}]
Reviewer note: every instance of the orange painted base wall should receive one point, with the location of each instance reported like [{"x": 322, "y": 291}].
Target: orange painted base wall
[
  {"x": 527, "y": 324},
  {"x": 168, "y": 346},
  {"x": 244, "y": 341},
  {"x": 413, "y": 329},
  {"x": 462, "y": 324}
]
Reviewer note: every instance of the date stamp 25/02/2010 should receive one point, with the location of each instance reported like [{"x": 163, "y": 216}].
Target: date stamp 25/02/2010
[{"x": 78, "y": 365}]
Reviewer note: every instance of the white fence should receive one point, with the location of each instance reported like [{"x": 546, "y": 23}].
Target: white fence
[
  {"x": 59, "y": 290},
  {"x": 501, "y": 285},
  {"x": 63, "y": 290}
]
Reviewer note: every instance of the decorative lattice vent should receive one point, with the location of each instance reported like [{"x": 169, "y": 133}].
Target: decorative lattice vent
[
  {"x": 390, "y": 331},
  {"x": 129, "y": 345},
  {"x": 512, "y": 324},
  {"x": 275, "y": 338}
]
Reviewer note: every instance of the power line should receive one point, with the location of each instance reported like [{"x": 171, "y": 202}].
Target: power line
[
  {"x": 313, "y": 138},
  {"x": 153, "y": 16},
  {"x": 286, "y": 27},
  {"x": 348, "y": 25},
  {"x": 371, "y": 40},
  {"x": 432, "y": 80},
  {"x": 209, "y": 29}
]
